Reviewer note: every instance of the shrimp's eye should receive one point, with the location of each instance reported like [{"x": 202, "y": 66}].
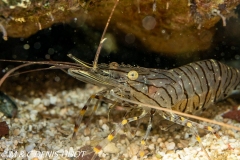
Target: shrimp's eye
[{"x": 132, "y": 75}]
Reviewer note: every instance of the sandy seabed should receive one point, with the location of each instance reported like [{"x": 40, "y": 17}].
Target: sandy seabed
[{"x": 44, "y": 127}]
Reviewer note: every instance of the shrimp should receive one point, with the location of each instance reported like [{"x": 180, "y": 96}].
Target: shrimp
[
  {"x": 176, "y": 94},
  {"x": 188, "y": 89}
]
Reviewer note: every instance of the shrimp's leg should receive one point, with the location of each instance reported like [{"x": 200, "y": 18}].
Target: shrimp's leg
[
  {"x": 113, "y": 134},
  {"x": 110, "y": 108},
  {"x": 190, "y": 124},
  {"x": 80, "y": 116},
  {"x": 82, "y": 112},
  {"x": 149, "y": 127},
  {"x": 99, "y": 99},
  {"x": 94, "y": 110},
  {"x": 99, "y": 96}
]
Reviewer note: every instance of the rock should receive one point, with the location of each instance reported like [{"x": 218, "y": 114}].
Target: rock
[{"x": 111, "y": 148}]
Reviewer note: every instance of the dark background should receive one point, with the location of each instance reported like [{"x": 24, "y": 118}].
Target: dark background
[{"x": 82, "y": 42}]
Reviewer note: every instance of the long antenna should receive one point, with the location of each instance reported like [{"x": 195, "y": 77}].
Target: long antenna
[{"x": 102, "y": 38}]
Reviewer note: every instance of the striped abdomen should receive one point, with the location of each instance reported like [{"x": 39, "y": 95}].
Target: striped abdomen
[{"x": 190, "y": 88}]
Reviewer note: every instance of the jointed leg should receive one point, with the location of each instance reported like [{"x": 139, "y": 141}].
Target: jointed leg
[
  {"x": 112, "y": 135},
  {"x": 88, "y": 104},
  {"x": 185, "y": 122},
  {"x": 193, "y": 125},
  {"x": 99, "y": 96},
  {"x": 149, "y": 127}
]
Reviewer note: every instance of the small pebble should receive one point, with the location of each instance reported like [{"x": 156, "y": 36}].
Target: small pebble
[
  {"x": 186, "y": 135},
  {"x": 170, "y": 140},
  {"x": 133, "y": 149},
  {"x": 232, "y": 140},
  {"x": 138, "y": 133},
  {"x": 159, "y": 140},
  {"x": 53, "y": 100},
  {"x": 162, "y": 145},
  {"x": 134, "y": 158},
  {"x": 15, "y": 142},
  {"x": 170, "y": 145},
  {"x": 53, "y": 112},
  {"x": 100, "y": 122},
  {"x": 177, "y": 137},
  {"x": 87, "y": 131},
  {"x": 33, "y": 116},
  {"x": 46, "y": 102},
  {"x": 123, "y": 141},
  {"x": 180, "y": 146},
  {"x": 151, "y": 146},
  {"x": 111, "y": 148},
  {"x": 30, "y": 147},
  {"x": 30, "y": 128},
  {"x": 63, "y": 111},
  {"x": 16, "y": 132},
  {"x": 36, "y": 101},
  {"x": 105, "y": 127}
]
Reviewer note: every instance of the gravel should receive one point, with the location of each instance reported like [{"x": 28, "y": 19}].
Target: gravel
[{"x": 46, "y": 123}]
